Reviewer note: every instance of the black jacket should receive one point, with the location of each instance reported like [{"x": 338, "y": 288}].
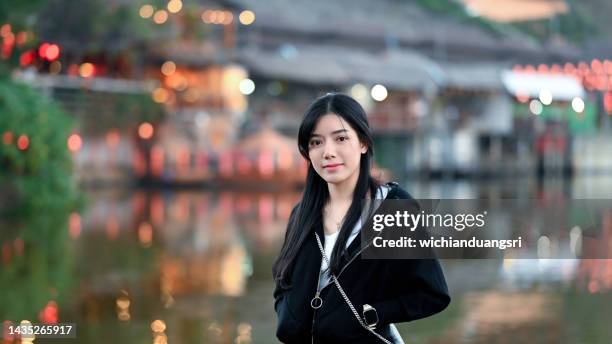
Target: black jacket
[{"x": 400, "y": 290}]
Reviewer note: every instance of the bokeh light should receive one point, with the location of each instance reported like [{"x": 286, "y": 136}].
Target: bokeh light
[
  {"x": 160, "y": 95},
  {"x": 168, "y": 68},
  {"x": 379, "y": 92},
  {"x": 146, "y": 11},
  {"x": 74, "y": 142},
  {"x": 160, "y": 17},
  {"x": 578, "y": 104},
  {"x": 145, "y": 130},
  {"x": 535, "y": 107},
  {"x": 246, "y": 17},
  {"x": 87, "y": 70},
  {"x": 247, "y": 86},
  {"x": 174, "y": 6},
  {"x": 23, "y": 142},
  {"x": 546, "y": 97}
]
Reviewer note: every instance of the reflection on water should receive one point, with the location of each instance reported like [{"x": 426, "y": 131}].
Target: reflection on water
[{"x": 194, "y": 267}]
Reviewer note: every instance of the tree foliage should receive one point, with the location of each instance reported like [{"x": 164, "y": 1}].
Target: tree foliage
[{"x": 38, "y": 178}]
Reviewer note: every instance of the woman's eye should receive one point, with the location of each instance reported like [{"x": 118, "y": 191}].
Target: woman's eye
[
  {"x": 342, "y": 138},
  {"x": 314, "y": 143}
]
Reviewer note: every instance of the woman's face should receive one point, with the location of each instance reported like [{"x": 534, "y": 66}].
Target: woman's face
[{"x": 334, "y": 150}]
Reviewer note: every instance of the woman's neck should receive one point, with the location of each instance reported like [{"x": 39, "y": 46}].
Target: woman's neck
[{"x": 340, "y": 195}]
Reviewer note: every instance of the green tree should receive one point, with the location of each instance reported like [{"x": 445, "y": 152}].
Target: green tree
[{"x": 37, "y": 194}]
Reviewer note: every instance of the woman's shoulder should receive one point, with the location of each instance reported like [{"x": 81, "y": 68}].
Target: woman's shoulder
[{"x": 397, "y": 192}]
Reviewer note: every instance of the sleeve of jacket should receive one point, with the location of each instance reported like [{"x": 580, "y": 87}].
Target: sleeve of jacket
[{"x": 421, "y": 290}]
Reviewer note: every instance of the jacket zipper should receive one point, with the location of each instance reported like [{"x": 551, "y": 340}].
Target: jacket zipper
[
  {"x": 318, "y": 293},
  {"x": 314, "y": 312}
]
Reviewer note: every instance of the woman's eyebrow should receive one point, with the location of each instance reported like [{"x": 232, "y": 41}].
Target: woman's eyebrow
[{"x": 332, "y": 133}]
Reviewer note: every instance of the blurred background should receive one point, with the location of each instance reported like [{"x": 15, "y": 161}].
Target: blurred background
[{"x": 149, "y": 163}]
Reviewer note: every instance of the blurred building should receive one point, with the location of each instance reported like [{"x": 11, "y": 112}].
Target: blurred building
[{"x": 445, "y": 95}]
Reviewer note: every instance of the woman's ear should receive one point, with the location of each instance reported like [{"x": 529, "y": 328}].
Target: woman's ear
[{"x": 364, "y": 148}]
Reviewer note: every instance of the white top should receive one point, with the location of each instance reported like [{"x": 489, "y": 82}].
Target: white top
[{"x": 330, "y": 240}]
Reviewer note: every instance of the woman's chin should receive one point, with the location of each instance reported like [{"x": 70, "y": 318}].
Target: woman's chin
[{"x": 334, "y": 179}]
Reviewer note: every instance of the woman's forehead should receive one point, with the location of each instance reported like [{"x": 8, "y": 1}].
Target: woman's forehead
[{"x": 331, "y": 124}]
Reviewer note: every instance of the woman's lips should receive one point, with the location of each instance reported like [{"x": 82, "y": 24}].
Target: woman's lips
[{"x": 332, "y": 167}]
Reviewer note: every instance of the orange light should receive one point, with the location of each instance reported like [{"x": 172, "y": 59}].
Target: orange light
[
  {"x": 218, "y": 17},
  {"x": 23, "y": 142},
  {"x": 228, "y": 18},
  {"x": 556, "y": 69},
  {"x": 74, "y": 143},
  {"x": 174, "y": 6},
  {"x": 206, "y": 16},
  {"x": 146, "y": 11},
  {"x": 160, "y": 95},
  {"x": 87, "y": 70},
  {"x": 145, "y": 234},
  {"x": 160, "y": 17},
  {"x": 145, "y": 130},
  {"x": 52, "y": 52},
  {"x": 7, "y": 137},
  {"x": 168, "y": 68},
  {"x": 74, "y": 226},
  {"x": 543, "y": 68},
  {"x": 112, "y": 138},
  {"x": 177, "y": 82}
]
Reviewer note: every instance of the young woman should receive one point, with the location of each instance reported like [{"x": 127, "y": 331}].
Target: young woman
[{"x": 324, "y": 292}]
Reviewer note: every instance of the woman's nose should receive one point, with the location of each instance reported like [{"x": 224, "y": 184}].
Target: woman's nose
[{"x": 329, "y": 150}]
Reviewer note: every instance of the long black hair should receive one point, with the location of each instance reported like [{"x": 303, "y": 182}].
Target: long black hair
[{"x": 307, "y": 215}]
